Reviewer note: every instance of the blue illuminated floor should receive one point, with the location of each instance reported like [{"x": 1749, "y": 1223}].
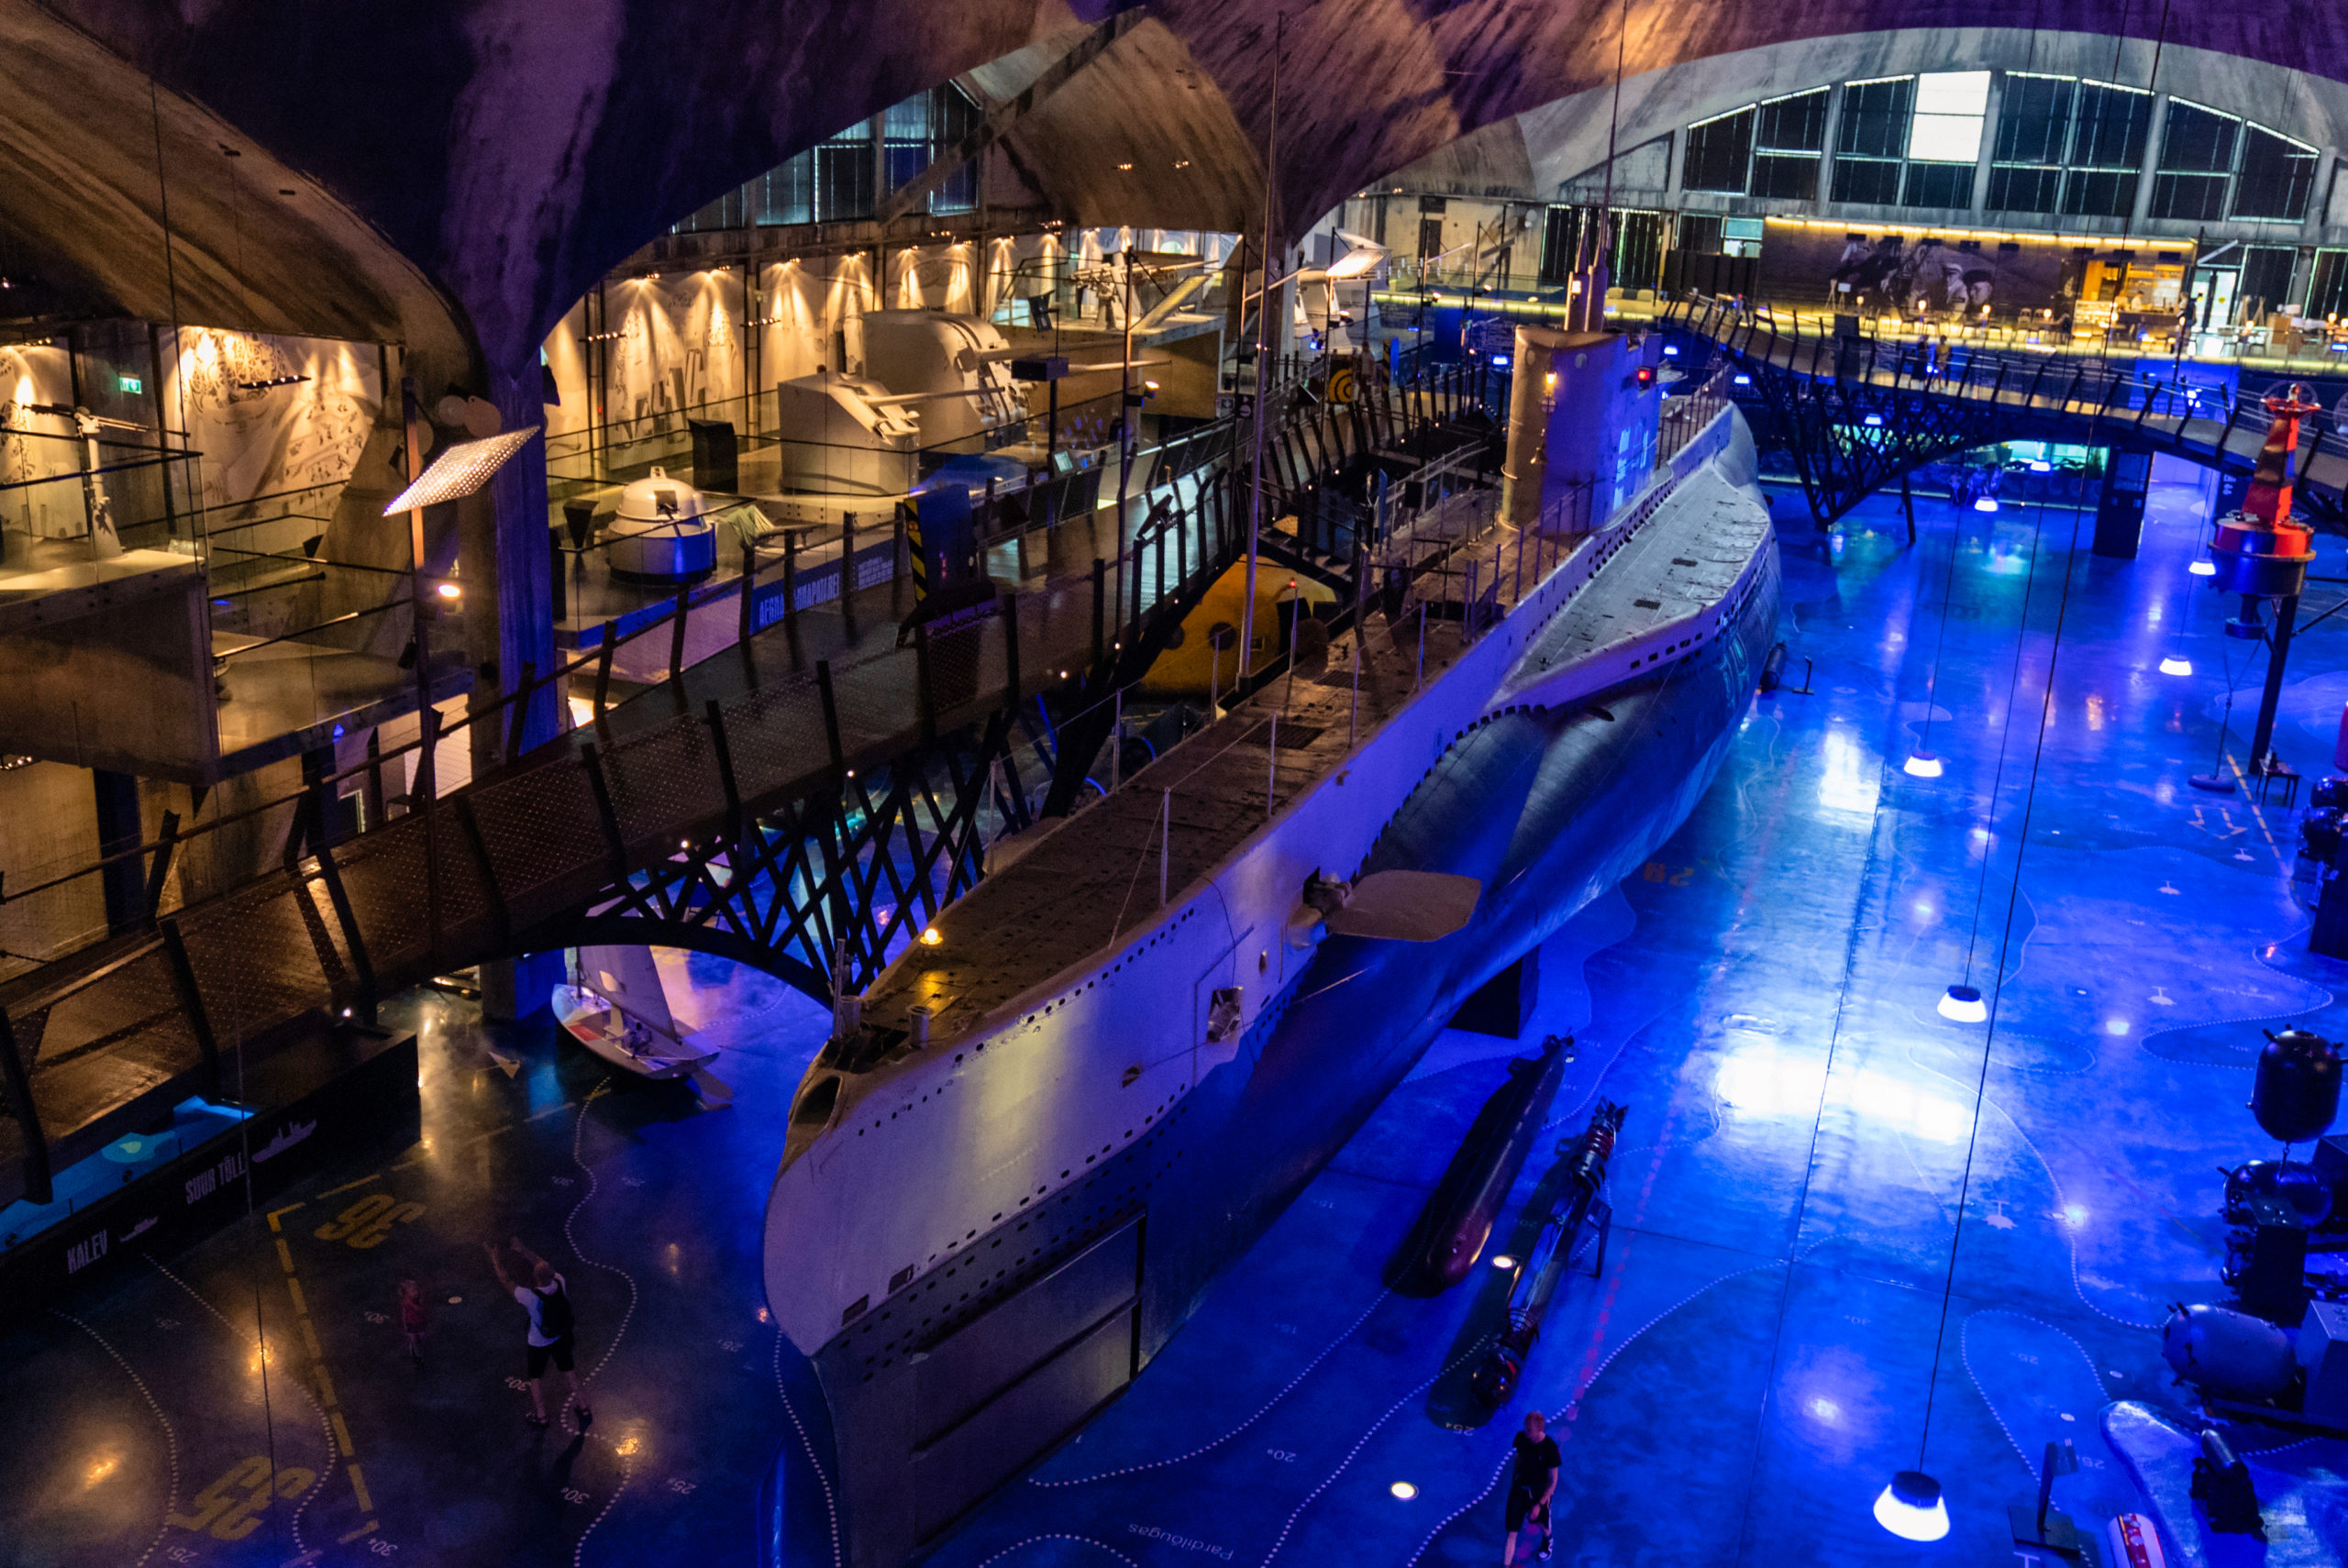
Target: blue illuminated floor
[{"x": 1758, "y": 1355}]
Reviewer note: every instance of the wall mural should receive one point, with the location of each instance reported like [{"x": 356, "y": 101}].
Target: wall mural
[
  {"x": 679, "y": 348},
  {"x": 1916, "y": 273},
  {"x": 31, "y": 374},
  {"x": 271, "y": 416}
]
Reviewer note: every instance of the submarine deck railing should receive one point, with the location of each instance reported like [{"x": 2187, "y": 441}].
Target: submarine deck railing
[
  {"x": 95, "y": 1042},
  {"x": 1175, "y": 821},
  {"x": 2062, "y": 389}
]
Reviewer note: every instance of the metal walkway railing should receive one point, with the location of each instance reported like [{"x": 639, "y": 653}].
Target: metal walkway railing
[
  {"x": 2073, "y": 396},
  {"x": 94, "y": 1045}
]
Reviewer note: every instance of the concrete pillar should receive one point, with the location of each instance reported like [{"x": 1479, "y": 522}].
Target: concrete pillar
[
  {"x": 1826, "y": 151},
  {"x": 1989, "y": 140},
  {"x": 504, "y": 542},
  {"x": 119, "y": 828},
  {"x": 2154, "y": 128}
]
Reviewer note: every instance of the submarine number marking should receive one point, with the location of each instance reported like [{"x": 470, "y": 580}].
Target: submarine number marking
[
  {"x": 368, "y": 1222},
  {"x": 231, "y": 1517}
]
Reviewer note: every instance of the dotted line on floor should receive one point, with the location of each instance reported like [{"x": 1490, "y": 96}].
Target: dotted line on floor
[
  {"x": 831, "y": 1504},
  {"x": 1573, "y": 1406},
  {"x": 578, "y": 1132},
  {"x": 570, "y": 1420},
  {"x": 1290, "y": 1388},
  {"x": 325, "y": 1427},
  {"x": 1363, "y": 1440},
  {"x": 171, "y": 1439},
  {"x": 1079, "y": 1539},
  {"x": 2070, "y": 1241},
  {"x": 1964, "y": 1356},
  {"x": 627, "y": 1473},
  {"x": 1456, "y": 1515},
  {"x": 2258, "y": 956}
]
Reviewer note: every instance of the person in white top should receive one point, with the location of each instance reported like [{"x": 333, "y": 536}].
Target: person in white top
[{"x": 547, "y": 1301}]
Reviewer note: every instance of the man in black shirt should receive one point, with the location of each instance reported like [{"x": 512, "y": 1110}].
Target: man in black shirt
[{"x": 1533, "y": 1481}]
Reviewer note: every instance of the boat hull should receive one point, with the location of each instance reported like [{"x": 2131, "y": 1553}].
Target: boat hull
[{"x": 960, "y": 1378}]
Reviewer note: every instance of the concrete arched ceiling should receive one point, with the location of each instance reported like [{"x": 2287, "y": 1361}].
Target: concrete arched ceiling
[
  {"x": 509, "y": 151},
  {"x": 1531, "y": 154}
]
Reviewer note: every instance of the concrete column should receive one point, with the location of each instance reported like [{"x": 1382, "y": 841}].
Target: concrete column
[
  {"x": 1826, "y": 150},
  {"x": 510, "y": 621},
  {"x": 120, "y": 827},
  {"x": 2153, "y": 130},
  {"x": 2302, "y": 276},
  {"x": 1989, "y": 140}
]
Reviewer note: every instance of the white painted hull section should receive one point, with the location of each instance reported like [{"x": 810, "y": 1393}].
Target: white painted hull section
[{"x": 924, "y": 1156}]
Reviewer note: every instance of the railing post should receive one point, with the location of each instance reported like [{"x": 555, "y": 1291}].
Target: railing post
[
  {"x": 677, "y": 634},
  {"x": 199, "y": 1021},
  {"x": 1010, "y": 602},
  {"x": 715, "y": 719},
  {"x": 604, "y": 668},
  {"x": 37, "y": 1179},
  {"x": 831, "y": 715},
  {"x": 749, "y": 591},
  {"x": 791, "y": 576},
  {"x": 161, "y": 867},
  {"x": 924, "y": 693},
  {"x": 1099, "y": 609},
  {"x": 426, "y": 787},
  {"x": 521, "y": 714},
  {"x": 592, "y": 759}
]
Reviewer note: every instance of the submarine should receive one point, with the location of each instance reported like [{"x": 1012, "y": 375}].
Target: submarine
[{"x": 1034, "y": 1142}]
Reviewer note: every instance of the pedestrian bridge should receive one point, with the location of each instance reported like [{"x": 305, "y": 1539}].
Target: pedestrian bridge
[{"x": 1858, "y": 413}]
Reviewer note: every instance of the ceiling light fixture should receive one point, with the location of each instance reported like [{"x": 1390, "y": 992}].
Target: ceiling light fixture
[
  {"x": 1963, "y": 1004},
  {"x": 1911, "y": 1508}
]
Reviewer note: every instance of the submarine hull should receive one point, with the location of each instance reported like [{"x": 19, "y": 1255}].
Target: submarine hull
[{"x": 1041, "y": 1320}]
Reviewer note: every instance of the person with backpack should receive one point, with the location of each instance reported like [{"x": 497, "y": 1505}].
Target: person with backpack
[{"x": 547, "y": 1301}]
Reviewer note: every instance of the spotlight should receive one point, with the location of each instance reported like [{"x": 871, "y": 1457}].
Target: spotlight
[
  {"x": 1959, "y": 1004},
  {"x": 2203, "y": 569},
  {"x": 1922, "y": 765},
  {"x": 1403, "y": 1490},
  {"x": 1911, "y": 1508},
  {"x": 1873, "y": 422},
  {"x": 2176, "y": 664},
  {"x": 449, "y": 590},
  {"x": 2042, "y": 468},
  {"x": 1503, "y": 1260},
  {"x": 931, "y": 937},
  {"x": 1987, "y": 503}
]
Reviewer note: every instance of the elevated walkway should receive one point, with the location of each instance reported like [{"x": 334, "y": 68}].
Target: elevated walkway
[
  {"x": 1857, "y": 413},
  {"x": 752, "y": 753}
]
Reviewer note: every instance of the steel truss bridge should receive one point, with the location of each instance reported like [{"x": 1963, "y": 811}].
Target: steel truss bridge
[
  {"x": 1857, "y": 414},
  {"x": 804, "y": 801}
]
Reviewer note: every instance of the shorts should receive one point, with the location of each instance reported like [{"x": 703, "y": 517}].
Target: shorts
[
  {"x": 558, "y": 1352},
  {"x": 1522, "y": 1507}
]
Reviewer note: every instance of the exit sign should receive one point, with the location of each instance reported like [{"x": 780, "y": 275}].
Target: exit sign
[{"x": 130, "y": 383}]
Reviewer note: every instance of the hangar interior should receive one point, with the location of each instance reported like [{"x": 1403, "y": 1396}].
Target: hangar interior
[{"x": 1059, "y": 782}]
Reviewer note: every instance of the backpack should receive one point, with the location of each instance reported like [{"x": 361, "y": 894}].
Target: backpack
[{"x": 554, "y": 1312}]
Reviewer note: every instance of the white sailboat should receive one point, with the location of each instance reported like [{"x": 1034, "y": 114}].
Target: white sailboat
[{"x": 618, "y": 1009}]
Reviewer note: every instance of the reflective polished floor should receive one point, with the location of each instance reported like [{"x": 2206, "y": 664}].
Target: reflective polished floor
[{"x": 1800, "y": 1175}]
